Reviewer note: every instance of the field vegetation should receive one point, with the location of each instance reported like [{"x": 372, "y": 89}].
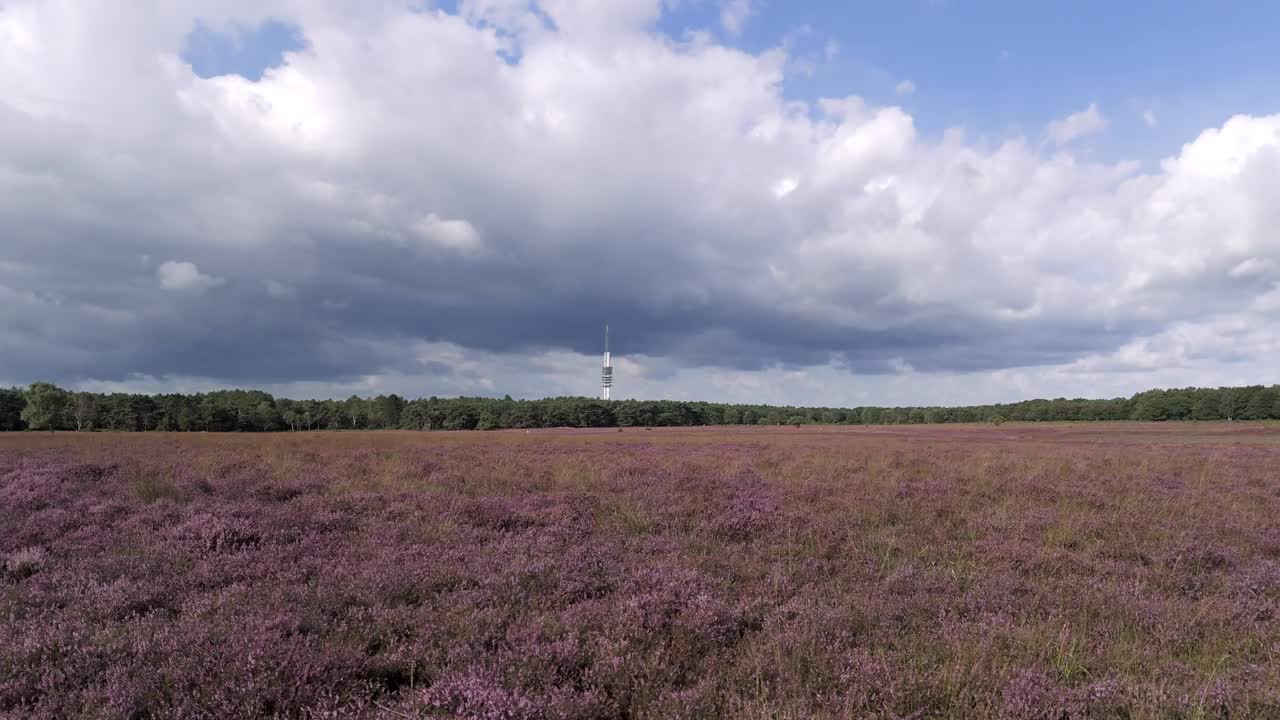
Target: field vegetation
[
  {"x": 1074, "y": 571},
  {"x": 43, "y": 406}
]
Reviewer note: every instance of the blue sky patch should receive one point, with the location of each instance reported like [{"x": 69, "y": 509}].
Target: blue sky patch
[{"x": 238, "y": 50}]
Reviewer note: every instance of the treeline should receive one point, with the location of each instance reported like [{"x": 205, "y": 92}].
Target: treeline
[{"x": 43, "y": 406}]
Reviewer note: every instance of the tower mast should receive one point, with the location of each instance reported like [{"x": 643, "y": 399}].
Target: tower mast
[{"x": 606, "y": 372}]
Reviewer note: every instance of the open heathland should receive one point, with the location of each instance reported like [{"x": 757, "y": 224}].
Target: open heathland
[{"x": 1020, "y": 571}]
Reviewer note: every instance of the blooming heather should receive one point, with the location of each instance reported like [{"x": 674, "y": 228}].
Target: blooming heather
[{"x": 919, "y": 572}]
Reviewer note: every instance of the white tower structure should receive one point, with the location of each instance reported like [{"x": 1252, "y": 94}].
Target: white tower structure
[{"x": 606, "y": 373}]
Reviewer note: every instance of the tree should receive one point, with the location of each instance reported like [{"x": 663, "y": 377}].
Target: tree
[
  {"x": 386, "y": 411},
  {"x": 1260, "y": 405},
  {"x": 1208, "y": 406},
  {"x": 45, "y": 405},
  {"x": 255, "y": 411},
  {"x": 84, "y": 408},
  {"x": 265, "y": 417},
  {"x": 1231, "y": 405},
  {"x": 487, "y": 421},
  {"x": 288, "y": 412},
  {"x": 11, "y": 404},
  {"x": 354, "y": 410}
]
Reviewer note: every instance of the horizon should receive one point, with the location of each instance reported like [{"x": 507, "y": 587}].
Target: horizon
[
  {"x": 936, "y": 203},
  {"x": 598, "y": 399}
]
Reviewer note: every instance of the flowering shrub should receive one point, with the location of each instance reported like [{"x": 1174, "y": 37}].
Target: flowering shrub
[
  {"x": 23, "y": 563},
  {"x": 751, "y": 574}
]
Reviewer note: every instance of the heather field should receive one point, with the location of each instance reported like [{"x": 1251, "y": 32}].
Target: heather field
[{"x": 1069, "y": 571}]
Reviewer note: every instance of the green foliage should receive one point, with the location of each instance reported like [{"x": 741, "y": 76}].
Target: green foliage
[
  {"x": 45, "y": 405},
  {"x": 257, "y": 411},
  {"x": 12, "y": 402}
]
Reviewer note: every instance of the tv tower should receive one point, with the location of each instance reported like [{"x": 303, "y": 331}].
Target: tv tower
[{"x": 606, "y": 372}]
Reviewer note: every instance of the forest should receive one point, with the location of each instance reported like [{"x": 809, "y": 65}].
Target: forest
[{"x": 44, "y": 406}]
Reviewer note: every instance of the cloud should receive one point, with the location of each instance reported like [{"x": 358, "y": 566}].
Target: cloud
[
  {"x": 905, "y": 88},
  {"x": 504, "y": 180},
  {"x": 279, "y": 290},
  {"x": 1253, "y": 267},
  {"x": 1172, "y": 359},
  {"x": 449, "y": 234},
  {"x": 1077, "y": 125},
  {"x": 185, "y": 276},
  {"x": 734, "y": 15},
  {"x": 1149, "y": 117}
]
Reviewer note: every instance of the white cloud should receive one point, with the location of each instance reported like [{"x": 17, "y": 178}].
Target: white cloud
[
  {"x": 448, "y": 234},
  {"x": 1077, "y": 125},
  {"x": 182, "y": 276},
  {"x": 1252, "y": 267},
  {"x": 901, "y": 366},
  {"x": 1268, "y": 304},
  {"x": 1149, "y": 117},
  {"x": 905, "y": 88},
  {"x": 784, "y": 187},
  {"x": 492, "y": 177},
  {"x": 734, "y": 15}
]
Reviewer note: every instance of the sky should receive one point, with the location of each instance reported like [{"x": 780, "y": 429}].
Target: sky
[{"x": 842, "y": 204}]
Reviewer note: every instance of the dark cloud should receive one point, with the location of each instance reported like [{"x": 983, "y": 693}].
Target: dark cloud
[{"x": 403, "y": 183}]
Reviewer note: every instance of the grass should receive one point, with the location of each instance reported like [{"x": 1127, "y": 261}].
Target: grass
[{"x": 150, "y": 484}]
